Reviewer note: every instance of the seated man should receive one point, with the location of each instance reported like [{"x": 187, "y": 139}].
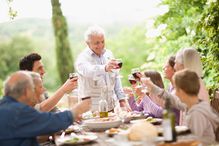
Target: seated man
[
  {"x": 200, "y": 118},
  {"x": 20, "y": 123},
  {"x": 32, "y": 62}
]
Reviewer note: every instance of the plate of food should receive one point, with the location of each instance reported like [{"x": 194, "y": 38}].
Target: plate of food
[
  {"x": 102, "y": 123},
  {"x": 134, "y": 115},
  {"x": 74, "y": 139},
  {"x": 112, "y": 131},
  {"x": 94, "y": 115},
  {"x": 154, "y": 121},
  {"x": 180, "y": 130}
]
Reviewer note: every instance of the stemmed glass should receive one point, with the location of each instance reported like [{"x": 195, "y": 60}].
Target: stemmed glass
[
  {"x": 117, "y": 69},
  {"x": 131, "y": 79},
  {"x": 123, "y": 115},
  {"x": 145, "y": 89},
  {"x": 136, "y": 72},
  {"x": 119, "y": 63},
  {"x": 73, "y": 75}
]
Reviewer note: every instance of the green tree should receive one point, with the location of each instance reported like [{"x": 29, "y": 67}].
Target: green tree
[
  {"x": 11, "y": 52},
  {"x": 63, "y": 52},
  {"x": 208, "y": 41},
  {"x": 194, "y": 23}
]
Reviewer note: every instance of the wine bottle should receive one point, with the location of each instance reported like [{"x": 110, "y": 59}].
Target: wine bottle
[{"x": 168, "y": 124}]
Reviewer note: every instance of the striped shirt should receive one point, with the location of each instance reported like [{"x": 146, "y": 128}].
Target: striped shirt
[{"x": 147, "y": 106}]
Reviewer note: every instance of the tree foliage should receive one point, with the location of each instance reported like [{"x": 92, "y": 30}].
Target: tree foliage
[
  {"x": 63, "y": 52},
  {"x": 11, "y": 52},
  {"x": 196, "y": 23}
]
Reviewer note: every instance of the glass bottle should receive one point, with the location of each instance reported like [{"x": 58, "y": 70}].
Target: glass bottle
[
  {"x": 168, "y": 124},
  {"x": 103, "y": 105}
]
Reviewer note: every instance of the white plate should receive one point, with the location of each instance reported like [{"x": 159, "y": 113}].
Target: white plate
[
  {"x": 82, "y": 139},
  {"x": 154, "y": 121},
  {"x": 181, "y": 129},
  {"x": 98, "y": 124}
]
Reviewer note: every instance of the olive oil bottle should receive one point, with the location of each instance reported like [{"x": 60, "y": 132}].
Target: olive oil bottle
[{"x": 103, "y": 105}]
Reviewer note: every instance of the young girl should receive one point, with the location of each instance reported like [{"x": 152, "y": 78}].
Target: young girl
[{"x": 147, "y": 105}]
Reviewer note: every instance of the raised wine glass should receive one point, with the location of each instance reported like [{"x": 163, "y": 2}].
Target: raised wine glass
[
  {"x": 73, "y": 75},
  {"x": 136, "y": 72},
  {"x": 131, "y": 79}
]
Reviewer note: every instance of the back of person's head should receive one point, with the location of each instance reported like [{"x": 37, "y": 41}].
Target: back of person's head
[
  {"x": 16, "y": 85},
  {"x": 155, "y": 78},
  {"x": 188, "y": 81},
  {"x": 93, "y": 30},
  {"x": 171, "y": 61},
  {"x": 27, "y": 62},
  {"x": 190, "y": 59}
]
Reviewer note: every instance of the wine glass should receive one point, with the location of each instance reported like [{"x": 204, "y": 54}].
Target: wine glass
[
  {"x": 119, "y": 63},
  {"x": 131, "y": 79},
  {"x": 123, "y": 115},
  {"x": 73, "y": 75},
  {"x": 145, "y": 89},
  {"x": 136, "y": 72},
  {"x": 118, "y": 68}
]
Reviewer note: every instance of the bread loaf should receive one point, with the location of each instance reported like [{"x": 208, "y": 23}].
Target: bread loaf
[{"x": 142, "y": 131}]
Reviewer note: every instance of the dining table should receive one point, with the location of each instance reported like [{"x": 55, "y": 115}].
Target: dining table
[{"x": 104, "y": 139}]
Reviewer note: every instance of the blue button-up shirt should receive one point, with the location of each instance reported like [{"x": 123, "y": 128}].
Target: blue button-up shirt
[
  {"x": 93, "y": 78},
  {"x": 20, "y": 124}
]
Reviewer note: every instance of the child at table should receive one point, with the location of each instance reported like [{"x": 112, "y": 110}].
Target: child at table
[{"x": 200, "y": 118}]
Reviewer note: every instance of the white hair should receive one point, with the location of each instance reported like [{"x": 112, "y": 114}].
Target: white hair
[
  {"x": 35, "y": 76},
  {"x": 190, "y": 59},
  {"x": 93, "y": 30},
  {"x": 18, "y": 87}
]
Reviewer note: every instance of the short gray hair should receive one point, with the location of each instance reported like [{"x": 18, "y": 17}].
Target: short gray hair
[
  {"x": 190, "y": 59},
  {"x": 93, "y": 30},
  {"x": 17, "y": 89}
]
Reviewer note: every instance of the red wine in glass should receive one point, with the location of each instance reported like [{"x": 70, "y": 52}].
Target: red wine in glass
[
  {"x": 73, "y": 75},
  {"x": 120, "y": 64},
  {"x": 136, "y": 76},
  {"x": 133, "y": 82}
]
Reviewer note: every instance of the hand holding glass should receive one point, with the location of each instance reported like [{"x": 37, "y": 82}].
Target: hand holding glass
[
  {"x": 73, "y": 75},
  {"x": 135, "y": 72},
  {"x": 132, "y": 79}
]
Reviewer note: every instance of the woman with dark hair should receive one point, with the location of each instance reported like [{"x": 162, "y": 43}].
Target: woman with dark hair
[{"x": 169, "y": 71}]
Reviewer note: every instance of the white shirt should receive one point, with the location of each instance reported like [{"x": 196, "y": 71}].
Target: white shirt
[{"x": 93, "y": 78}]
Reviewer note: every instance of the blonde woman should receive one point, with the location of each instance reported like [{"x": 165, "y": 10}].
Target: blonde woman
[{"x": 189, "y": 58}]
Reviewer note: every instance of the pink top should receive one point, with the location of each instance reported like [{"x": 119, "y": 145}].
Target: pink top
[{"x": 203, "y": 92}]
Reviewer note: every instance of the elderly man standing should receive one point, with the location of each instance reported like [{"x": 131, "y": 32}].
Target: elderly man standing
[
  {"x": 20, "y": 123},
  {"x": 95, "y": 66}
]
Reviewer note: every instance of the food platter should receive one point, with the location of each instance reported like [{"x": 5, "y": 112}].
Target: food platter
[
  {"x": 102, "y": 123},
  {"x": 74, "y": 139},
  {"x": 154, "y": 121}
]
